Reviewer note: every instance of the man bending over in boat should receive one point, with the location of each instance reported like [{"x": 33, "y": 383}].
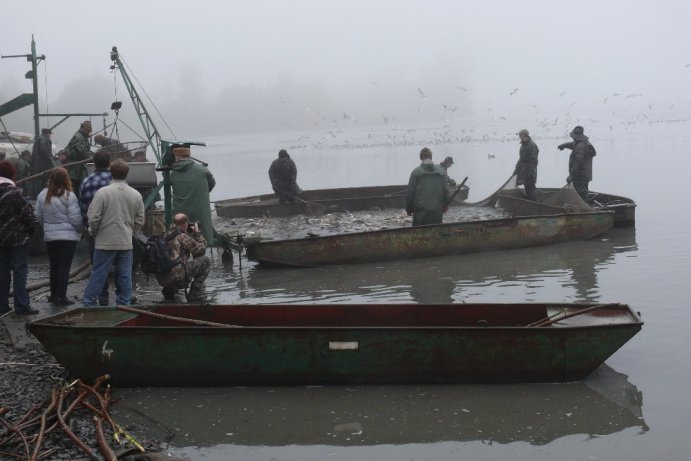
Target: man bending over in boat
[
  {"x": 188, "y": 248},
  {"x": 283, "y": 175},
  {"x": 427, "y": 194}
]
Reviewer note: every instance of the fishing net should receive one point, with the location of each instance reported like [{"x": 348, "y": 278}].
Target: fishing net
[
  {"x": 567, "y": 197},
  {"x": 492, "y": 199}
]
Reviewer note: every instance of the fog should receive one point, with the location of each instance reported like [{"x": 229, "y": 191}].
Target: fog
[{"x": 218, "y": 67}]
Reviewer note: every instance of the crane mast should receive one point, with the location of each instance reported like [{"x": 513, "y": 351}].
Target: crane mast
[{"x": 152, "y": 134}]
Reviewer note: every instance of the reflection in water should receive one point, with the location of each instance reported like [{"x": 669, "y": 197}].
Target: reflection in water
[
  {"x": 374, "y": 415},
  {"x": 532, "y": 274}
]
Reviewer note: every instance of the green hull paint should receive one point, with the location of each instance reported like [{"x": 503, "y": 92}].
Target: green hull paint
[
  {"x": 430, "y": 241},
  {"x": 337, "y": 344}
]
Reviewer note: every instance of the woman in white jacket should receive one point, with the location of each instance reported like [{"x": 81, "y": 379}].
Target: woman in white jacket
[{"x": 57, "y": 209}]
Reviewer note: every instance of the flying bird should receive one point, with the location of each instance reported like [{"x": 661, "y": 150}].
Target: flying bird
[
  {"x": 515, "y": 90},
  {"x": 421, "y": 93},
  {"x": 562, "y": 93}
]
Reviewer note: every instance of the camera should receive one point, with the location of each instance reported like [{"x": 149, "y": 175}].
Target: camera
[{"x": 193, "y": 226}]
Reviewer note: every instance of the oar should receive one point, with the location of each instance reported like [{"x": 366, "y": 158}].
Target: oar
[
  {"x": 312, "y": 208},
  {"x": 550, "y": 320},
  {"x": 456, "y": 191},
  {"x": 132, "y": 310}
]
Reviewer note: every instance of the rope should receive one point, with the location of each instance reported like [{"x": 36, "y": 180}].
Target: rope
[{"x": 148, "y": 97}]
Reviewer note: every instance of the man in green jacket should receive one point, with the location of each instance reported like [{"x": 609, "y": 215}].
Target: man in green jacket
[
  {"x": 79, "y": 149},
  {"x": 427, "y": 197},
  {"x": 191, "y": 184}
]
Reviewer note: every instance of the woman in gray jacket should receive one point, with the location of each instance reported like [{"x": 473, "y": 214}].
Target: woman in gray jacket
[{"x": 57, "y": 209}]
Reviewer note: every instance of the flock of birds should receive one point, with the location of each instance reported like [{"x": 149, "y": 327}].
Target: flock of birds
[{"x": 347, "y": 131}]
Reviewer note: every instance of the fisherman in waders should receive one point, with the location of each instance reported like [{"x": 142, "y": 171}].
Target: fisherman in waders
[{"x": 427, "y": 194}]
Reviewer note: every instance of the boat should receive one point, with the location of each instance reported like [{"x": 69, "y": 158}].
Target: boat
[
  {"x": 323, "y": 200},
  {"x": 429, "y": 241},
  {"x": 317, "y": 344},
  {"x": 566, "y": 200},
  {"x": 12, "y": 143}
]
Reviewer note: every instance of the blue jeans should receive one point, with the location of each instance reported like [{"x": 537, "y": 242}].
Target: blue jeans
[
  {"x": 13, "y": 267},
  {"x": 103, "y": 259}
]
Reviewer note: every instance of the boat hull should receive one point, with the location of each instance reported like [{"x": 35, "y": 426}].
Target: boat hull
[
  {"x": 351, "y": 199},
  {"x": 337, "y": 344},
  {"x": 430, "y": 241},
  {"x": 514, "y": 202}
]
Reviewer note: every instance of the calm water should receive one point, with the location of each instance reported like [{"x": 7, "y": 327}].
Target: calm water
[{"x": 635, "y": 407}]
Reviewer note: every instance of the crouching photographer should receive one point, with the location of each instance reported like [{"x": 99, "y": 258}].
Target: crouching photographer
[{"x": 188, "y": 250}]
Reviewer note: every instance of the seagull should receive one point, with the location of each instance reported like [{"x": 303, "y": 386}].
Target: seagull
[
  {"x": 562, "y": 93},
  {"x": 461, "y": 88},
  {"x": 421, "y": 93},
  {"x": 490, "y": 155},
  {"x": 515, "y": 90},
  {"x": 449, "y": 109}
]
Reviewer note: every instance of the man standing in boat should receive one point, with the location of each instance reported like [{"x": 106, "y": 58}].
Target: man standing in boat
[
  {"x": 41, "y": 160},
  {"x": 580, "y": 161},
  {"x": 79, "y": 149},
  {"x": 446, "y": 164},
  {"x": 283, "y": 174},
  {"x": 526, "y": 167},
  {"x": 427, "y": 193}
]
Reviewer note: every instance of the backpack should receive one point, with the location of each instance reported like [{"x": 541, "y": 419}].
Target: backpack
[{"x": 157, "y": 258}]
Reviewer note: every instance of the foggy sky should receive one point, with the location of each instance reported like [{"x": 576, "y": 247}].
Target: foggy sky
[{"x": 214, "y": 67}]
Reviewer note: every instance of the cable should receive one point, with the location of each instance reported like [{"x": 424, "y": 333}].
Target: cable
[{"x": 148, "y": 97}]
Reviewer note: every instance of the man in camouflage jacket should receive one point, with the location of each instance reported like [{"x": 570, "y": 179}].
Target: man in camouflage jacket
[{"x": 188, "y": 245}]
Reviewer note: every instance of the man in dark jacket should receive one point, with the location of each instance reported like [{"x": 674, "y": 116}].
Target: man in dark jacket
[
  {"x": 526, "y": 167},
  {"x": 41, "y": 160},
  {"x": 113, "y": 147},
  {"x": 79, "y": 149},
  {"x": 17, "y": 223},
  {"x": 283, "y": 174},
  {"x": 580, "y": 161},
  {"x": 427, "y": 194}
]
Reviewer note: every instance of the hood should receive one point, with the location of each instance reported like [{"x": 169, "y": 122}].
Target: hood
[{"x": 183, "y": 165}]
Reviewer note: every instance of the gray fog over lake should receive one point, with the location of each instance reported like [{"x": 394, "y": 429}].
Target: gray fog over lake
[
  {"x": 634, "y": 407},
  {"x": 353, "y": 90}
]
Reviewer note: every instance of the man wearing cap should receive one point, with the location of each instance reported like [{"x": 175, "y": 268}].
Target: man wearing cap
[
  {"x": 112, "y": 147},
  {"x": 580, "y": 161},
  {"x": 526, "y": 167},
  {"x": 41, "y": 160},
  {"x": 192, "y": 182},
  {"x": 283, "y": 174},
  {"x": 79, "y": 149},
  {"x": 427, "y": 194},
  {"x": 446, "y": 164}
]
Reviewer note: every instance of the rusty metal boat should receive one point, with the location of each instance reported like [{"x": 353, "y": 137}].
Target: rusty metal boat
[
  {"x": 325, "y": 200},
  {"x": 429, "y": 241},
  {"x": 187, "y": 345},
  {"x": 566, "y": 200}
]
